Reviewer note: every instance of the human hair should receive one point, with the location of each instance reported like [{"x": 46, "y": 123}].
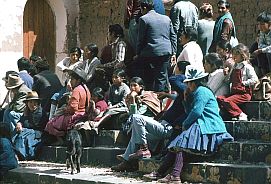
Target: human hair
[
  {"x": 138, "y": 81},
  {"x": 224, "y": 45},
  {"x": 224, "y": 2},
  {"x": 182, "y": 65},
  {"x": 214, "y": 60},
  {"x": 93, "y": 48},
  {"x": 264, "y": 17},
  {"x": 4, "y": 130},
  {"x": 206, "y": 10},
  {"x": 148, "y": 4},
  {"x": 190, "y": 33},
  {"x": 76, "y": 49},
  {"x": 120, "y": 73},
  {"x": 34, "y": 58},
  {"x": 116, "y": 29},
  {"x": 243, "y": 50},
  {"x": 23, "y": 64},
  {"x": 98, "y": 92}
]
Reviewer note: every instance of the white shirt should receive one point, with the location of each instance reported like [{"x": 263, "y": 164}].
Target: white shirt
[
  {"x": 216, "y": 83},
  {"x": 193, "y": 54}
]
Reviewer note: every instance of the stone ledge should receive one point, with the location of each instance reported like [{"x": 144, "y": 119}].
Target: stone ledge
[
  {"x": 249, "y": 130},
  {"x": 228, "y": 172},
  {"x": 95, "y": 155},
  {"x": 59, "y": 175}
]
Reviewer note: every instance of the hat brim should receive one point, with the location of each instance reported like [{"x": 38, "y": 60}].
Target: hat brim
[
  {"x": 14, "y": 86},
  {"x": 199, "y": 77},
  {"x": 33, "y": 98}
]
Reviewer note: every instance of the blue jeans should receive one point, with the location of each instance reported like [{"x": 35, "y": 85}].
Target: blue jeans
[
  {"x": 11, "y": 118},
  {"x": 145, "y": 129}
]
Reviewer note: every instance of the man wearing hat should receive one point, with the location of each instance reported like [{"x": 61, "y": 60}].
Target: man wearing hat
[
  {"x": 46, "y": 83},
  {"x": 16, "y": 107}
]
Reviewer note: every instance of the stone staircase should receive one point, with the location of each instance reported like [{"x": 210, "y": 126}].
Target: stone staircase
[{"x": 247, "y": 160}]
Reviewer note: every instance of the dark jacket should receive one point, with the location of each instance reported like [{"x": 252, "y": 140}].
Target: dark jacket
[{"x": 46, "y": 83}]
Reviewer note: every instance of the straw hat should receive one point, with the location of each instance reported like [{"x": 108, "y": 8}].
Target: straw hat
[
  {"x": 193, "y": 73},
  {"x": 14, "y": 81},
  {"x": 32, "y": 95}
]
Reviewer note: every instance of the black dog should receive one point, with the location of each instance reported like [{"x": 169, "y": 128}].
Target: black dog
[{"x": 74, "y": 149}]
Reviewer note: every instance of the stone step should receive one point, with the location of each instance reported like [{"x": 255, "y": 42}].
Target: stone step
[
  {"x": 95, "y": 155},
  {"x": 256, "y": 130},
  {"x": 241, "y": 151},
  {"x": 258, "y": 110},
  {"x": 217, "y": 173},
  {"x": 244, "y": 151},
  {"x": 111, "y": 138},
  {"x": 51, "y": 173}
]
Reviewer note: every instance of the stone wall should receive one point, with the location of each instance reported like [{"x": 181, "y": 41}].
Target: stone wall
[
  {"x": 94, "y": 18},
  {"x": 96, "y": 15}
]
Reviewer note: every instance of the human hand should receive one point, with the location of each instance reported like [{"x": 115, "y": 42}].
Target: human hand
[
  {"x": 19, "y": 127},
  {"x": 226, "y": 70}
]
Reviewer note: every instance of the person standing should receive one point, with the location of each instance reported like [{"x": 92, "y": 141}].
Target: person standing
[
  {"x": 183, "y": 14},
  {"x": 205, "y": 27},
  {"x": 155, "y": 47},
  {"x": 224, "y": 25}
]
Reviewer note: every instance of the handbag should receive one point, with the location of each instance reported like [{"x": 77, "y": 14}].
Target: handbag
[{"x": 262, "y": 89}]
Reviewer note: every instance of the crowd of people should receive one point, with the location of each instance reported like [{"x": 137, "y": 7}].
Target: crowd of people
[{"x": 173, "y": 79}]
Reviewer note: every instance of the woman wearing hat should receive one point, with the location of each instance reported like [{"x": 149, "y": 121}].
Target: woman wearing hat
[
  {"x": 30, "y": 127},
  {"x": 203, "y": 129},
  {"x": 76, "y": 108}
]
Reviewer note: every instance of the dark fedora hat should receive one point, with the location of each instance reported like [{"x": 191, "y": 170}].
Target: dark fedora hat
[
  {"x": 7, "y": 74},
  {"x": 79, "y": 72},
  {"x": 32, "y": 95},
  {"x": 14, "y": 81}
]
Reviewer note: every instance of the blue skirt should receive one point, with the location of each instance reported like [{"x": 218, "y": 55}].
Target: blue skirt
[{"x": 193, "y": 141}]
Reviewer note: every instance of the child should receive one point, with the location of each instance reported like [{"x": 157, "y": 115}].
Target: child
[
  {"x": 242, "y": 78},
  {"x": 117, "y": 93},
  {"x": 213, "y": 65},
  {"x": 264, "y": 25},
  {"x": 223, "y": 49}
]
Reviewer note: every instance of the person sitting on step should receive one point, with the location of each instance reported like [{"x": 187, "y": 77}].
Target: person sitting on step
[
  {"x": 242, "y": 78},
  {"x": 203, "y": 129},
  {"x": 146, "y": 131}
]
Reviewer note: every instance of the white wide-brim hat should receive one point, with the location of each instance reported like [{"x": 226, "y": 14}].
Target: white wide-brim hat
[
  {"x": 14, "y": 81},
  {"x": 194, "y": 73}
]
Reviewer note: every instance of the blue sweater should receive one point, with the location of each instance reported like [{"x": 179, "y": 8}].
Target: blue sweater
[{"x": 204, "y": 111}]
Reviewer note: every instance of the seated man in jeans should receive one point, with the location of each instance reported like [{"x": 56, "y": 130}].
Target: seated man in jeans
[{"x": 145, "y": 129}]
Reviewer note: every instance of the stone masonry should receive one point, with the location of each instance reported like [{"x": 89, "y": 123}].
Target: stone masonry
[{"x": 96, "y": 15}]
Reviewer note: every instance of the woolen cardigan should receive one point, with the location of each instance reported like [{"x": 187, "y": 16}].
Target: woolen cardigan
[{"x": 204, "y": 111}]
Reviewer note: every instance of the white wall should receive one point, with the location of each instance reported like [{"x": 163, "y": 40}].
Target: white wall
[{"x": 11, "y": 37}]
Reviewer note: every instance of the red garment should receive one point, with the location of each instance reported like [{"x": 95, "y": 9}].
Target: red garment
[
  {"x": 76, "y": 108},
  {"x": 239, "y": 95}
]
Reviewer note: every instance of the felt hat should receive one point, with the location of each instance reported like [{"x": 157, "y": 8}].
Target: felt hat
[
  {"x": 194, "y": 73},
  {"x": 7, "y": 74},
  {"x": 14, "y": 81},
  {"x": 32, "y": 95},
  {"x": 78, "y": 71}
]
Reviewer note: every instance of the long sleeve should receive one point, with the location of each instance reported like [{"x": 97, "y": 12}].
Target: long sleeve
[
  {"x": 173, "y": 39},
  {"x": 251, "y": 76},
  {"x": 198, "y": 106},
  {"x": 141, "y": 36},
  {"x": 226, "y": 30},
  {"x": 175, "y": 18}
]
